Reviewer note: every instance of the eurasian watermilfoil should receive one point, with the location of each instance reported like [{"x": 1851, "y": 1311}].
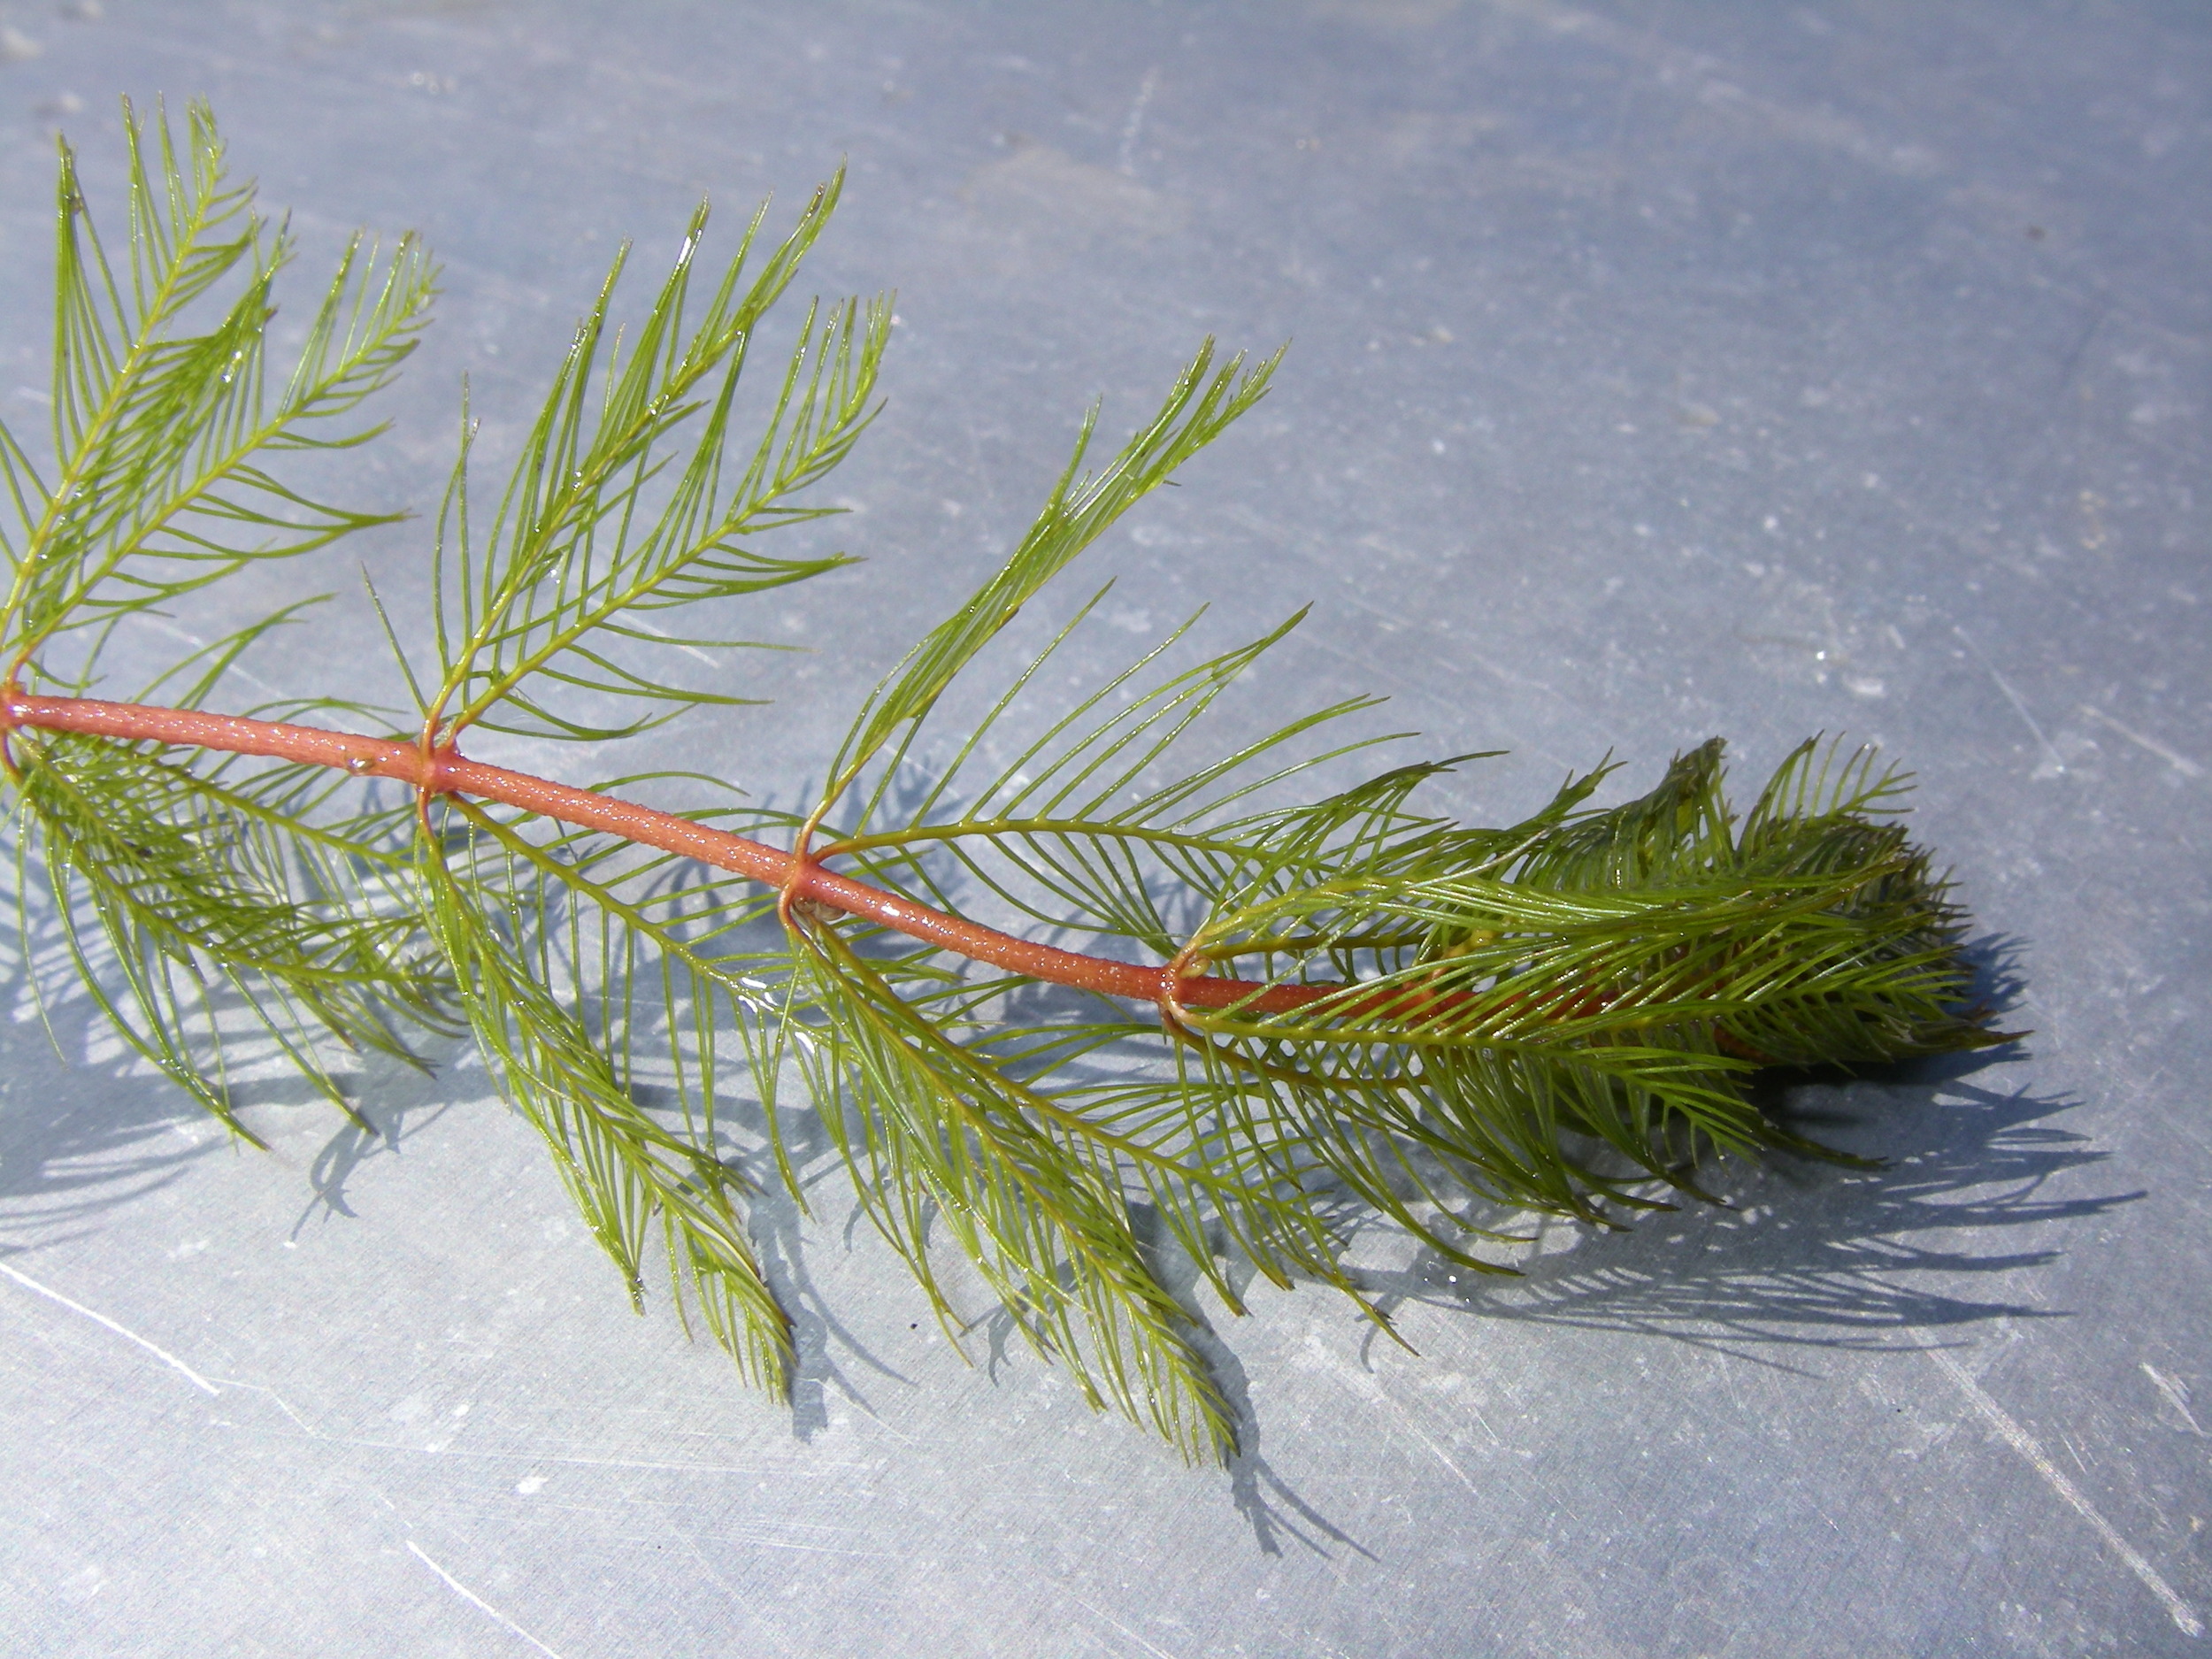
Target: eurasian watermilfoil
[{"x": 1291, "y": 1020}]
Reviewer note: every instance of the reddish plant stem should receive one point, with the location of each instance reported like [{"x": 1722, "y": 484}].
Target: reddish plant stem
[{"x": 449, "y": 773}]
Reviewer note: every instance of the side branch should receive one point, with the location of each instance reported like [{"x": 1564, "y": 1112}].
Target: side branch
[{"x": 449, "y": 773}]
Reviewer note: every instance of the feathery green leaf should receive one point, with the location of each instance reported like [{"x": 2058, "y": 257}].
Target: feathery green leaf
[
  {"x": 585, "y": 545},
  {"x": 162, "y": 437}
]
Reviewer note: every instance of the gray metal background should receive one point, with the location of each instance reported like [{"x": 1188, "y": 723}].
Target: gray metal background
[{"x": 1659, "y": 370}]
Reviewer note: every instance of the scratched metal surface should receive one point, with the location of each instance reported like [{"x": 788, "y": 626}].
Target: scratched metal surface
[{"x": 1659, "y": 370}]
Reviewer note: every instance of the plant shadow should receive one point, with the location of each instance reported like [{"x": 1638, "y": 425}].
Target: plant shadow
[
  {"x": 1800, "y": 1257},
  {"x": 1893, "y": 1240},
  {"x": 1800, "y": 1254},
  {"x": 87, "y": 1126},
  {"x": 80, "y": 1136}
]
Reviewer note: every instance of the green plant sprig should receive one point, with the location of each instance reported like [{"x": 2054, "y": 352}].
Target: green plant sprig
[{"x": 1354, "y": 1010}]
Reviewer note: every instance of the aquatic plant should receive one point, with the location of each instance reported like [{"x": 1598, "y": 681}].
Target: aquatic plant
[{"x": 1284, "y": 1020}]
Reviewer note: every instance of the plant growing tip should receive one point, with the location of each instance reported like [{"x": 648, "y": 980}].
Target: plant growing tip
[{"x": 1290, "y": 1016}]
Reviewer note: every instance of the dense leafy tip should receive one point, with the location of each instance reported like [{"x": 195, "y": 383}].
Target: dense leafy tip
[{"x": 1547, "y": 1016}]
